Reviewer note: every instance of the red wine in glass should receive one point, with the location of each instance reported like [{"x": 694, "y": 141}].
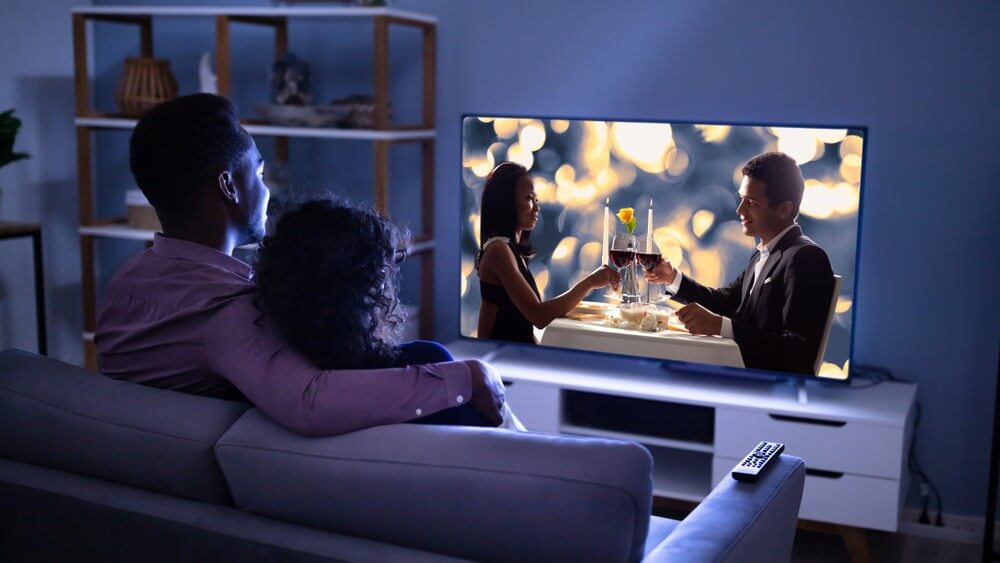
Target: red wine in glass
[
  {"x": 649, "y": 260},
  {"x": 621, "y": 258}
]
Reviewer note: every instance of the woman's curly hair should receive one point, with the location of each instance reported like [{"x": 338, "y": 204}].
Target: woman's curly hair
[{"x": 328, "y": 279}]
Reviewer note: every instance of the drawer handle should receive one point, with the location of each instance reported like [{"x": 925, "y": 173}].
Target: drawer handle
[
  {"x": 803, "y": 420},
  {"x": 824, "y": 474}
]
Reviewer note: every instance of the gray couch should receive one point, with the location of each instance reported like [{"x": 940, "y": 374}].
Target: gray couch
[{"x": 101, "y": 470}]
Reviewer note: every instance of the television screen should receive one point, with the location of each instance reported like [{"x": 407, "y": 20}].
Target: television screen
[{"x": 729, "y": 247}]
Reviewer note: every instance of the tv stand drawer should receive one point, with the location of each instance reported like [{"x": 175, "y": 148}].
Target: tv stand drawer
[{"x": 827, "y": 444}]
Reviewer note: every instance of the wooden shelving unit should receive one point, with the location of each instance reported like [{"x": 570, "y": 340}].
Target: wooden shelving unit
[{"x": 384, "y": 133}]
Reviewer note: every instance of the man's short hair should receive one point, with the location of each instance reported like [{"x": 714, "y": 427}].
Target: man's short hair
[
  {"x": 781, "y": 176},
  {"x": 180, "y": 146}
]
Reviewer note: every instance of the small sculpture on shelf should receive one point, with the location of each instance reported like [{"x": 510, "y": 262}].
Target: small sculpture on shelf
[
  {"x": 290, "y": 83},
  {"x": 207, "y": 80}
]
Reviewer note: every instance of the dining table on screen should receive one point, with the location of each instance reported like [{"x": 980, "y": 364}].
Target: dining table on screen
[{"x": 587, "y": 328}]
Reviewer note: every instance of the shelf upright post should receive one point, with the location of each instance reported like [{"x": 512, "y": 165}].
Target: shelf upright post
[
  {"x": 430, "y": 51},
  {"x": 84, "y": 159},
  {"x": 381, "y": 113},
  {"x": 145, "y": 36},
  {"x": 223, "y": 76},
  {"x": 81, "y": 86},
  {"x": 426, "y": 327},
  {"x": 280, "y": 50},
  {"x": 81, "y": 82}
]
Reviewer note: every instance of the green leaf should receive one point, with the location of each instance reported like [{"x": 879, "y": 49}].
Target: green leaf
[
  {"x": 8, "y": 132},
  {"x": 631, "y": 225},
  {"x": 6, "y": 159}
]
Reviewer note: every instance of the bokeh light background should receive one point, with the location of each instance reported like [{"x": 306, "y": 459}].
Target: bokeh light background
[{"x": 690, "y": 172}]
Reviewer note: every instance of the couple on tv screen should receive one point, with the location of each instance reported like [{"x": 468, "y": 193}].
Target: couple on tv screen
[{"x": 773, "y": 313}]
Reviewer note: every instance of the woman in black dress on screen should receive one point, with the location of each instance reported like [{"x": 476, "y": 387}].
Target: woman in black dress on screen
[{"x": 511, "y": 304}]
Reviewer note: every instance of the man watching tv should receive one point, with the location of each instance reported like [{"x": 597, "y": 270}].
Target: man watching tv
[
  {"x": 776, "y": 309},
  {"x": 180, "y": 315}
]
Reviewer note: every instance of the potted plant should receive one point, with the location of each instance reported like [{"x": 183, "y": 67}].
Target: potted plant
[{"x": 8, "y": 132}]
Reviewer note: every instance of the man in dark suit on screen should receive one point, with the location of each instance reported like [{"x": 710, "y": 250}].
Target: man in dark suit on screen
[{"x": 776, "y": 309}]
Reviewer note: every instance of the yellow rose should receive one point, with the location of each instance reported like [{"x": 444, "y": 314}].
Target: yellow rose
[{"x": 625, "y": 214}]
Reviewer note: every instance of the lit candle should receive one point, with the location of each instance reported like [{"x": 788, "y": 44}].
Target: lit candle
[
  {"x": 649, "y": 223},
  {"x": 604, "y": 243}
]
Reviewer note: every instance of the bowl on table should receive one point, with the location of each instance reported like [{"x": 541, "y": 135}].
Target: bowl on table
[{"x": 632, "y": 312}]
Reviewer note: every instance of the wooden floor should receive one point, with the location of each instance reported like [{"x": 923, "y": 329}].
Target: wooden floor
[{"x": 817, "y": 547}]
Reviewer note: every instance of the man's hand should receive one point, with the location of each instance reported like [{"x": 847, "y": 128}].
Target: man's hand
[
  {"x": 699, "y": 320},
  {"x": 488, "y": 394},
  {"x": 664, "y": 272}
]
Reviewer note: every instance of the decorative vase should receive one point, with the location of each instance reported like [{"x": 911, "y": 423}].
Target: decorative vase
[
  {"x": 144, "y": 83},
  {"x": 630, "y": 277}
]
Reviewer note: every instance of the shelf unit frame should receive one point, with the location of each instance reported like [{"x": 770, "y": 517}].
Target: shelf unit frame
[{"x": 384, "y": 134}]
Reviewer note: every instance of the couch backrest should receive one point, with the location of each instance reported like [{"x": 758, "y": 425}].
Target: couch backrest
[
  {"x": 477, "y": 493},
  {"x": 62, "y": 416}
]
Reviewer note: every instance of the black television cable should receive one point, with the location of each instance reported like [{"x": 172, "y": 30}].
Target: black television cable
[{"x": 876, "y": 375}]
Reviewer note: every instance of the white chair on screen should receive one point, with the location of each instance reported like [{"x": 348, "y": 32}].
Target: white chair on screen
[{"x": 829, "y": 322}]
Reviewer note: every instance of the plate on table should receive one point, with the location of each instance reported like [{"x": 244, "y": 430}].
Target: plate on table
[{"x": 590, "y": 311}]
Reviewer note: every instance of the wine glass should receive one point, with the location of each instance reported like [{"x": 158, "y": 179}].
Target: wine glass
[
  {"x": 648, "y": 254},
  {"x": 622, "y": 256}
]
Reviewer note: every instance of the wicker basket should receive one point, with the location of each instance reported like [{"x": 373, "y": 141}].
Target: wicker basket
[{"x": 143, "y": 84}]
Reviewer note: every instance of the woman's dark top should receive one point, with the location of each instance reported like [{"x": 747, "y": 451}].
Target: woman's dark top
[{"x": 510, "y": 324}]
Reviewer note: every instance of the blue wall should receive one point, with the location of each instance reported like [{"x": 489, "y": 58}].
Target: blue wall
[
  {"x": 921, "y": 77},
  {"x": 36, "y": 79}
]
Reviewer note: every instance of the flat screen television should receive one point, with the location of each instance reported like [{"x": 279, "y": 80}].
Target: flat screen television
[{"x": 699, "y": 198}]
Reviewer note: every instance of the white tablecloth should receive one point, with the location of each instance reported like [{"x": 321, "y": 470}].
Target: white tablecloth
[{"x": 594, "y": 336}]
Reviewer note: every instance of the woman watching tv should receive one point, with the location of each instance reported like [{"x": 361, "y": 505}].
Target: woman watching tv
[
  {"x": 511, "y": 303},
  {"x": 327, "y": 278}
]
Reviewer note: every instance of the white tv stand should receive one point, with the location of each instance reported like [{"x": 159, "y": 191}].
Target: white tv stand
[{"x": 854, "y": 441}]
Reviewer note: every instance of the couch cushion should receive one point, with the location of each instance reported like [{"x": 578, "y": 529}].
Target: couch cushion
[
  {"x": 62, "y": 416},
  {"x": 50, "y": 515},
  {"x": 659, "y": 529},
  {"x": 479, "y": 493}
]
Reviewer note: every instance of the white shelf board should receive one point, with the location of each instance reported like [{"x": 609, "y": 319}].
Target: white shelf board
[
  {"x": 280, "y": 131},
  {"x": 681, "y": 475},
  {"x": 421, "y": 246},
  {"x": 128, "y": 233},
  {"x": 333, "y": 133},
  {"x": 105, "y": 122},
  {"x": 285, "y": 11},
  {"x": 118, "y": 231},
  {"x": 649, "y": 440}
]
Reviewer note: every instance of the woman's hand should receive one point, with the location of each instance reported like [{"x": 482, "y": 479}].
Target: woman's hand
[
  {"x": 664, "y": 272},
  {"x": 603, "y": 276}
]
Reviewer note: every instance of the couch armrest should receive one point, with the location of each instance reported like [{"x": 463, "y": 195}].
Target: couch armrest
[{"x": 741, "y": 521}]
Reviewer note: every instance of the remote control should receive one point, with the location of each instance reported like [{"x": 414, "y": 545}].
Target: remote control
[{"x": 757, "y": 461}]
